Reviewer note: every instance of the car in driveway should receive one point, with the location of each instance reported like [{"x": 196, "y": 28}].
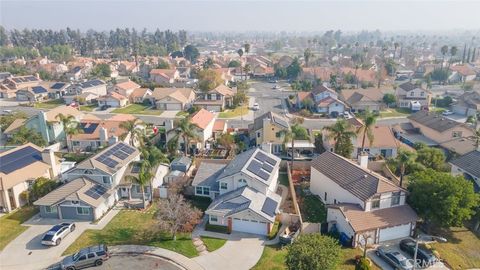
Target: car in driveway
[
  {"x": 256, "y": 107},
  {"x": 447, "y": 112},
  {"x": 424, "y": 255},
  {"x": 394, "y": 258},
  {"x": 275, "y": 87},
  {"x": 86, "y": 257},
  {"x": 55, "y": 235}
]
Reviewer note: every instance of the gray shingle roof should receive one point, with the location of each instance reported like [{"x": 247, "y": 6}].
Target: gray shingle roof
[
  {"x": 434, "y": 121},
  {"x": 237, "y": 164},
  {"x": 360, "y": 182},
  {"x": 470, "y": 162},
  {"x": 275, "y": 118},
  {"x": 207, "y": 175},
  {"x": 408, "y": 86}
]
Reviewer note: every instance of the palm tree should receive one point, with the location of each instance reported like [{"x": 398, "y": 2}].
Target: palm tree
[
  {"x": 143, "y": 178},
  {"x": 366, "y": 130},
  {"x": 186, "y": 130},
  {"x": 403, "y": 159},
  {"x": 476, "y": 136},
  {"x": 70, "y": 125},
  {"x": 153, "y": 156},
  {"x": 246, "y": 46},
  {"x": 132, "y": 129},
  {"x": 444, "y": 51},
  {"x": 295, "y": 132},
  {"x": 246, "y": 69},
  {"x": 342, "y": 133},
  {"x": 227, "y": 141},
  {"x": 453, "y": 52},
  {"x": 307, "y": 54},
  {"x": 395, "y": 45},
  {"x": 240, "y": 53}
]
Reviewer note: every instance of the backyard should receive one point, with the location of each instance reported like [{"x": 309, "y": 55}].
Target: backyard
[
  {"x": 138, "y": 109},
  {"x": 312, "y": 208},
  {"x": 10, "y": 224},
  {"x": 134, "y": 228},
  {"x": 239, "y": 111},
  {"x": 50, "y": 104}
]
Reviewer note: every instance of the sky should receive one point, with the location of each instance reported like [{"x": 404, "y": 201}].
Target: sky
[{"x": 242, "y": 16}]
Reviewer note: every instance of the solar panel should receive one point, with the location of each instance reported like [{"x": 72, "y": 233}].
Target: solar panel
[
  {"x": 58, "y": 85},
  {"x": 89, "y": 128},
  {"x": 120, "y": 154},
  {"x": 263, "y": 174},
  {"x": 267, "y": 167},
  {"x": 96, "y": 191},
  {"x": 110, "y": 162},
  {"x": 261, "y": 156},
  {"x": 127, "y": 149},
  {"x": 39, "y": 90},
  {"x": 254, "y": 167},
  {"x": 19, "y": 159},
  {"x": 271, "y": 161},
  {"x": 269, "y": 207}
]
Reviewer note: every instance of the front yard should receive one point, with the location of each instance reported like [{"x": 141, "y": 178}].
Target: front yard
[
  {"x": 134, "y": 228},
  {"x": 88, "y": 108},
  {"x": 50, "y": 104},
  {"x": 395, "y": 112},
  {"x": 239, "y": 111},
  {"x": 10, "y": 224},
  {"x": 138, "y": 109},
  {"x": 213, "y": 244}
]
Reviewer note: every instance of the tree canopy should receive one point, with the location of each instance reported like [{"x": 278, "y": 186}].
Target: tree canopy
[
  {"x": 313, "y": 252},
  {"x": 191, "y": 53},
  {"x": 208, "y": 80}
]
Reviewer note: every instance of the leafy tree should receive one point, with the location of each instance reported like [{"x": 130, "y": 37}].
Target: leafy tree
[
  {"x": 403, "y": 163},
  {"x": 342, "y": 133},
  {"x": 59, "y": 53},
  {"x": 313, "y": 252},
  {"x": 440, "y": 75},
  {"x": 453, "y": 197},
  {"x": 208, "y": 80},
  {"x": 70, "y": 126},
  {"x": 186, "y": 130},
  {"x": 334, "y": 83},
  {"x": 162, "y": 64},
  {"x": 294, "y": 69},
  {"x": 227, "y": 141},
  {"x": 234, "y": 64},
  {"x": 133, "y": 130},
  {"x": 175, "y": 214},
  {"x": 239, "y": 98},
  {"x": 208, "y": 63},
  {"x": 40, "y": 187},
  {"x": 366, "y": 130},
  {"x": 391, "y": 67},
  {"x": 101, "y": 70},
  {"x": 389, "y": 98},
  {"x": 280, "y": 72},
  {"x": 431, "y": 158},
  {"x": 191, "y": 53},
  {"x": 25, "y": 135},
  {"x": 246, "y": 46},
  {"x": 318, "y": 142},
  {"x": 444, "y": 51},
  {"x": 308, "y": 103}
]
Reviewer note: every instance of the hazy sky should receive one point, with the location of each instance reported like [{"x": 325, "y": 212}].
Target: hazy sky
[{"x": 230, "y": 15}]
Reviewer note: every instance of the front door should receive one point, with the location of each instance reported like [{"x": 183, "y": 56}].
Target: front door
[{"x": 124, "y": 192}]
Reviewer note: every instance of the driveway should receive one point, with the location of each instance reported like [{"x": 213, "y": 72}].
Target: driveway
[
  {"x": 241, "y": 252},
  {"x": 169, "y": 114}
]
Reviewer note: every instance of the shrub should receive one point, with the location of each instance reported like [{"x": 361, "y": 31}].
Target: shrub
[
  {"x": 216, "y": 228},
  {"x": 305, "y": 113},
  {"x": 363, "y": 264},
  {"x": 313, "y": 251},
  {"x": 274, "y": 231}
]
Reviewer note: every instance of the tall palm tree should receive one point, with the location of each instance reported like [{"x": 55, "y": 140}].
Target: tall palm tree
[
  {"x": 247, "y": 70},
  {"x": 444, "y": 51},
  {"x": 366, "y": 130},
  {"x": 186, "y": 130},
  {"x": 246, "y": 46},
  {"x": 453, "y": 52},
  {"x": 143, "y": 178},
  {"x": 132, "y": 129},
  {"x": 395, "y": 46},
  {"x": 403, "y": 159},
  {"x": 70, "y": 125},
  {"x": 342, "y": 133},
  {"x": 240, "y": 53},
  {"x": 307, "y": 54},
  {"x": 295, "y": 132}
]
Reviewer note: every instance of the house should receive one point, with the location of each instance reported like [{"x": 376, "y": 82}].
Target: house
[
  {"x": 126, "y": 88},
  {"x": 269, "y": 128},
  {"x": 438, "y": 128},
  {"x": 204, "y": 121},
  {"x": 467, "y": 104},
  {"x": 96, "y": 134},
  {"x": 326, "y": 101},
  {"x": 12, "y": 84},
  {"x": 225, "y": 74},
  {"x": 219, "y": 128},
  {"x": 301, "y": 97},
  {"x": 181, "y": 164},
  {"x": 126, "y": 68},
  {"x": 140, "y": 95},
  {"x": 58, "y": 89},
  {"x": 462, "y": 73},
  {"x": 173, "y": 176},
  {"x": 468, "y": 165},
  {"x": 32, "y": 94},
  {"x": 411, "y": 96},
  {"x": 89, "y": 90},
  {"x": 92, "y": 187},
  {"x": 360, "y": 100},
  {"x": 243, "y": 191},
  {"x": 113, "y": 99},
  {"x": 19, "y": 168},
  {"x": 164, "y": 77},
  {"x": 173, "y": 99},
  {"x": 216, "y": 99},
  {"x": 76, "y": 73},
  {"x": 360, "y": 203},
  {"x": 316, "y": 73},
  {"x": 363, "y": 75}
]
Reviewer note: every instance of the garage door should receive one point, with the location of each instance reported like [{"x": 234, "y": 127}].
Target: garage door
[
  {"x": 394, "y": 232},
  {"x": 174, "y": 106},
  {"x": 249, "y": 226}
]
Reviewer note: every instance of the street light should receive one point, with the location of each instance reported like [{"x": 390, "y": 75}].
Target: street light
[{"x": 432, "y": 237}]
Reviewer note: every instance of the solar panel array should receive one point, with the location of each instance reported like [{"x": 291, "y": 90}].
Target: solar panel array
[
  {"x": 88, "y": 128},
  {"x": 91, "y": 83},
  {"x": 269, "y": 207},
  {"x": 39, "y": 90},
  {"x": 58, "y": 85},
  {"x": 96, "y": 191},
  {"x": 19, "y": 159},
  {"x": 261, "y": 165},
  {"x": 120, "y": 151},
  {"x": 264, "y": 158}
]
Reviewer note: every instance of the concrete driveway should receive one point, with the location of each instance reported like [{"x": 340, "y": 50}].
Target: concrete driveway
[
  {"x": 241, "y": 252},
  {"x": 169, "y": 114}
]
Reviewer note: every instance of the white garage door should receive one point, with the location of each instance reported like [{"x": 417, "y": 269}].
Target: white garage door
[
  {"x": 174, "y": 106},
  {"x": 249, "y": 226},
  {"x": 394, "y": 232}
]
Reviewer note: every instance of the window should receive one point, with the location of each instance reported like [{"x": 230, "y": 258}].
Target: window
[
  {"x": 206, "y": 191},
  {"x": 376, "y": 202},
  {"x": 50, "y": 209},
  {"x": 106, "y": 179},
  {"x": 412, "y": 94},
  {"x": 101, "y": 253},
  {"x": 422, "y": 94},
  {"x": 242, "y": 182},
  {"x": 325, "y": 197},
  {"x": 82, "y": 258},
  {"x": 456, "y": 134},
  {"x": 83, "y": 211},
  {"x": 223, "y": 185},
  {"x": 396, "y": 198},
  {"x": 213, "y": 218},
  {"x": 198, "y": 190},
  {"x": 91, "y": 255},
  {"x": 278, "y": 134}
]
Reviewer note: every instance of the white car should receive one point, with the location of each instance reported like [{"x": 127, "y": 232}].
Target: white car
[
  {"x": 55, "y": 235},
  {"x": 275, "y": 87},
  {"x": 256, "y": 107},
  {"x": 347, "y": 115},
  {"x": 447, "y": 112}
]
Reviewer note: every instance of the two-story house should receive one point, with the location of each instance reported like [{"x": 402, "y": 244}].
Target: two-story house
[
  {"x": 326, "y": 101},
  {"x": 360, "y": 203},
  {"x": 164, "y": 77},
  {"x": 173, "y": 99},
  {"x": 216, "y": 99},
  {"x": 88, "y": 90},
  {"x": 269, "y": 128},
  {"x": 126, "y": 88},
  {"x": 467, "y": 104},
  {"x": 92, "y": 187},
  {"x": 468, "y": 165},
  {"x": 12, "y": 84},
  {"x": 360, "y": 100},
  {"x": 409, "y": 95},
  {"x": 243, "y": 191}
]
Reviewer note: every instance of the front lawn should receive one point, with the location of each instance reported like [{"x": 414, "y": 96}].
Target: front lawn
[
  {"x": 134, "y": 228},
  {"x": 182, "y": 114},
  {"x": 239, "y": 111},
  {"x": 138, "y": 109},
  {"x": 313, "y": 209},
  {"x": 50, "y": 104},
  {"x": 212, "y": 243},
  {"x": 347, "y": 261},
  {"x": 10, "y": 224},
  {"x": 395, "y": 112},
  {"x": 462, "y": 251},
  {"x": 273, "y": 258},
  {"x": 88, "y": 108}
]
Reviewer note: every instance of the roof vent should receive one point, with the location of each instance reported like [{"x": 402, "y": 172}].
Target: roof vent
[{"x": 365, "y": 176}]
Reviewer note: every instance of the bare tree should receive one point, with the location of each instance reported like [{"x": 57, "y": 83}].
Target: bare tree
[
  {"x": 177, "y": 215},
  {"x": 365, "y": 237}
]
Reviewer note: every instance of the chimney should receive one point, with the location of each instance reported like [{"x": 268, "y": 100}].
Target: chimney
[
  {"x": 112, "y": 140},
  {"x": 363, "y": 159},
  {"x": 267, "y": 147},
  {"x": 49, "y": 158},
  {"x": 103, "y": 134}
]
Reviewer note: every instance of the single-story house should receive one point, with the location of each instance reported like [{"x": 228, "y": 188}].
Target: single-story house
[
  {"x": 113, "y": 99},
  {"x": 468, "y": 165}
]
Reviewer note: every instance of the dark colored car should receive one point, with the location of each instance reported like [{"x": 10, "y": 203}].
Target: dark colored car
[
  {"x": 86, "y": 257},
  {"x": 424, "y": 255}
]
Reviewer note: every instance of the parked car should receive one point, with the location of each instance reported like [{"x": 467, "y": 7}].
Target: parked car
[
  {"x": 394, "y": 258},
  {"x": 273, "y": 81},
  {"x": 104, "y": 107},
  {"x": 256, "y": 107},
  {"x": 424, "y": 255},
  {"x": 347, "y": 115},
  {"x": 55, "y": 235},
  {"x": 275, "y": 87},
  {"x": 447, "y": 112},
  {"x": 86, "y": 257}
]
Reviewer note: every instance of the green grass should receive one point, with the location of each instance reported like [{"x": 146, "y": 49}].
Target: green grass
[
  {"x": 273, "y": 258},
  {"x": 212, "y": 243},
  {"x": 437, "y": 109},
  {"x": 462, "y": 249},
  {"x": 274, "y": 231},
  {"x": 134, "y": 228},
  {"x": 283, "y": 179},
  {"x": 395, "y": 112},
  {"x": 216, "y": 228},
  {"x": 182, "y": 114},
  {"x": 88, "y": 108},
  {"x": 49, "y": 104},
  {"x": 137, "y": 109},
  {"x": 239, "y": 111},
  {"x": 10, "y": 224},
  {"x": 313, "y": 209}
]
